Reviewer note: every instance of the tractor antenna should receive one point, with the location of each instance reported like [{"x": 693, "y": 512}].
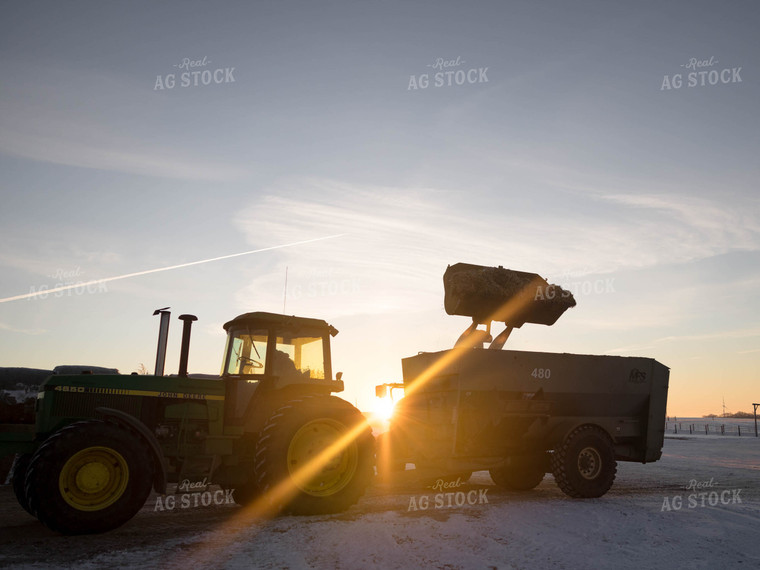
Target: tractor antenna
[{"x": 285, "y": 293}]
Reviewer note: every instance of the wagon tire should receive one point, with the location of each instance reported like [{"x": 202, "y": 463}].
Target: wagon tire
[{"x": 584, "y": 464}]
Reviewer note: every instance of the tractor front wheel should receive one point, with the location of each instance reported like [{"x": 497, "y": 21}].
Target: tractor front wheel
[
  {"x": 89, "y": 477},
  {"x": 314, "y": 456}
]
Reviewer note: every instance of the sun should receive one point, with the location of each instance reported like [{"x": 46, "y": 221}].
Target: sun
[{"x": 383, "y": 408}]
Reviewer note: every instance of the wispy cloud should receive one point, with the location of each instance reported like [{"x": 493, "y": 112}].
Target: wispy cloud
[
  {"x": 713, "y": 226},
  {"x": 61, "y": 130},
  {"x": 113, "y": 153},
  {"x": 45, "y": 257},
  {"x": 9, "y": 328},
  {"x": 718, "y": 335},
  {"x": 400, "y": 239},
  {"x": 65, "y": 287},
  {"x": 691, "y": 338}
]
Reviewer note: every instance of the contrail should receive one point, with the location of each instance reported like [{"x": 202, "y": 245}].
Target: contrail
[{"x": 169, "y": 268}]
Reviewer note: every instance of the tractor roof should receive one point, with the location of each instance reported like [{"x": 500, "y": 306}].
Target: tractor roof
[{"x": 267, "y": 320}]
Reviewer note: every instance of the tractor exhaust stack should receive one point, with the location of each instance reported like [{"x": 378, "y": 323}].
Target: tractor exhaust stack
[
  {"x": 185, "y": 350},
  {"x": 163, "y": 336}
]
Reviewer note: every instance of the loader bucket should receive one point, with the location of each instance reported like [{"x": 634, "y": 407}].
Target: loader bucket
[{"x": 497, "y": 294}]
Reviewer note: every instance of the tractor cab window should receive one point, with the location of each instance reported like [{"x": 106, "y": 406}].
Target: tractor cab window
[
  {"x": 294, "y": 357},
  {"x": 299, "y": 357},
  {"x": 248, "y": 354}
]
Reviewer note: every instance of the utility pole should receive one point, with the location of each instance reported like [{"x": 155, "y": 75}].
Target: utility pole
[{"x": 755, "y": 406}]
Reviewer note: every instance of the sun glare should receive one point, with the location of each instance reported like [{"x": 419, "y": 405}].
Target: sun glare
[{"x": 383, "y": 408}]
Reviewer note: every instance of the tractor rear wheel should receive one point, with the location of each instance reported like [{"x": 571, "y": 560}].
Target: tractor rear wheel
[
  {"x": 18, "y": 477},
  {"x": 584, "y": 465},
  {"x": 89, "y": 477},
  {"x": 314, "y": 456}
]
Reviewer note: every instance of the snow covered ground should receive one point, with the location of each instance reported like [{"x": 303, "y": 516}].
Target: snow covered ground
[{"x": 699, "y": 507}]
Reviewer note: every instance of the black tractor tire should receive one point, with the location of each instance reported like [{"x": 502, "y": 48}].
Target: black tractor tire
[
  {"x": 89, "y": 477},
  {"x": 294, "y": 436},
  {"x": 518, "y": 476},
  {"x": 18, "y": 479},
  {"x": 584, "y": 465}
]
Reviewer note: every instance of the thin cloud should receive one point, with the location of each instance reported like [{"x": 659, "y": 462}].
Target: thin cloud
[
  {"x": 715, "y": 225},
  {"x": 60, "y": 130},
  {"x": 714, "y": 336},
  {"x": 736, "y": 333},
  {"x": 10, "y": 328},
  {"x": 116, "y": 155},
  {"x": 619, "y": 238},
  {"x": 79, "y": 285},
  {"x": 401, "y": 240}
]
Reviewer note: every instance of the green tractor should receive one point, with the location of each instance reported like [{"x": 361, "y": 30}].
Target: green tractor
[{"x": 268, "y": 430}]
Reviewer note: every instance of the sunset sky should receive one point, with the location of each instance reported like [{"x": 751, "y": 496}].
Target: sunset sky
[{"x": 568, "y": 152}]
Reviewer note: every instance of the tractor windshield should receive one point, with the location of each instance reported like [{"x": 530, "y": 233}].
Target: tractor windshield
[
  {"x": 248, "y": 353},
  {"x": 294, "y": 357},
  {"x": 299, "y": 356}
]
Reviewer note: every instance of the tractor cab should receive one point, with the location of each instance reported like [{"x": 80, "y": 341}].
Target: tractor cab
[{"x": 269, "y": 351}]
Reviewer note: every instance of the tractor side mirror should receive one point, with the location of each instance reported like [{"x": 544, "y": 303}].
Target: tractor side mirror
[
  {"x": 381, "y": 391},
  {"x": 339, "y": 376}
]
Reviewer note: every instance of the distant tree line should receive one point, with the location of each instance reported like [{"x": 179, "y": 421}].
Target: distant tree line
[{"x": 737, "y": 415}]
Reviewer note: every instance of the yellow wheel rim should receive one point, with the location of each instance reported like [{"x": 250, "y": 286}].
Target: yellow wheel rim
[
  {"x": 319, "y": 463},
  {"x": 93, "y": 478}
]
